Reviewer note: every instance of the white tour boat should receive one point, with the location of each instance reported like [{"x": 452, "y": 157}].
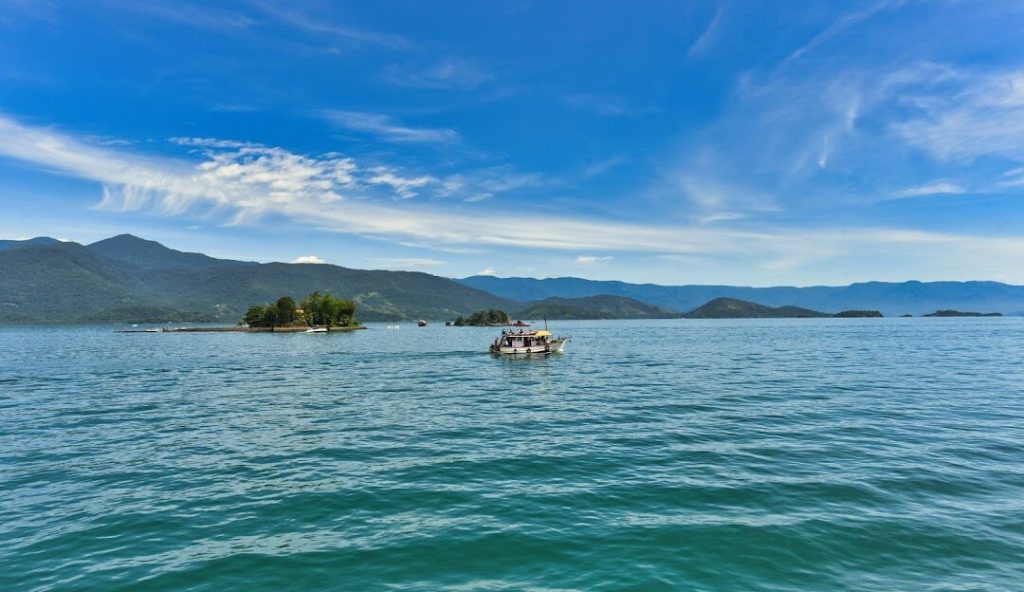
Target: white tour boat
[{"x": 528, "y": 342}]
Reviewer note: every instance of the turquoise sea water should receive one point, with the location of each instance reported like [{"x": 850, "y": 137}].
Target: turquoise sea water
[{"x": 837, "y": 454}]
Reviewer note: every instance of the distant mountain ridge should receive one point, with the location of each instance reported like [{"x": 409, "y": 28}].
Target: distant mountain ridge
[
  {"x": 126, "y": 278},
  {"x": 892, "y": 299},
  {"x": 149, "y": 254},
  {"x": 30, "y": 242}
]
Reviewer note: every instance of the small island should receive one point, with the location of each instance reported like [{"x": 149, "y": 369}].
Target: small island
[
  {"x": 734, "y": 308},
  {"x": 315, "y": 310},
  {"x": 957, "y": 313},
  {"x": 484, "y": 318},
  {"x": 858, "y": 314}
]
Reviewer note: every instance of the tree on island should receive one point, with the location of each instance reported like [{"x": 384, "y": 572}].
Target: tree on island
[
  {"x": 316, "y": 310},
  {"x": 328, "y": 311},
  {"x": 484, "y": 318},
  {"x": 286, "y": 310}
]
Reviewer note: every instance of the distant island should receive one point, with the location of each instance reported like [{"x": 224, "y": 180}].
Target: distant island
[
  {"x": 858, "y": 314},
  {"x": 957, "y": 313},
  {"x": 484, "y": 318},
  {"x": 733, "y": 308}
]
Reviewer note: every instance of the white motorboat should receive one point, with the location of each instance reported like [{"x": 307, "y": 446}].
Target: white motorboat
[
  {"x": 316, "y": 330},
  {"x": 528, "y": 343}
]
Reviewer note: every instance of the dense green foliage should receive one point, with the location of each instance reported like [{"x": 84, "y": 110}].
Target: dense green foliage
[
  {"x": 318, "y": 310},
  {"x": 594, "y": 307},
  {"x": 68, "y": 282},
  {"x": 325, "y": 310},
  {"x": 731, "y": 308},
  {"x": 484, "y": 318}
]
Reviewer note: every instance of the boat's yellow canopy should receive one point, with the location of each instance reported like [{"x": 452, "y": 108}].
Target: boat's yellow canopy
[{"x": 543, "y": 333}]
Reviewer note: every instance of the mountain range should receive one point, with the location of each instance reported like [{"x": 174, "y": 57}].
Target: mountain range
[
  {"x": 892, "y": 299},
  {"x": 129, "y": 279}
]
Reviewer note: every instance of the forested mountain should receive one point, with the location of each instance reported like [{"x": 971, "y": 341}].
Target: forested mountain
[{"x": 126, "y": 278}]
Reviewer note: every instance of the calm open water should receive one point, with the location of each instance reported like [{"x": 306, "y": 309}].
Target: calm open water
[{"x": 838, "y": 454}]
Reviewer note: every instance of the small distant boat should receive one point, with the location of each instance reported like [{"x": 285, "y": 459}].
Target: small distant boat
[
  {"x": 520, "y": 324},
  {"x": 528, "y": 342},
  {"x": 421, "y": 323},
  {"x": 316, "y": 330}
]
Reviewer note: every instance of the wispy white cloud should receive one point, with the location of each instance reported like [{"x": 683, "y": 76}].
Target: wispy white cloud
[
  {"x": 187, "y": 14},
  {"x": 320, "y": 25},
  {"x": 720, "y": 217},
  {"x": 386, "y": 128},
  {"x": 487, "y": 271},
  {"x": 1012, "y": 178},
  {"x": 977, "y": 115},
  {"x": 603, "y": 166},
  {"x": 703, "y": 43},
  {"x": 483, "y": 184},
  {"x": 403, "y": 186},
  {"x": 935, "y": 188},
  {"x": 211, "y": 143},
  {"x": 590, "y": 259},
  {"x": 451, "y": 73},
  {"x": 607, "y": 105},
  {"x": 838, "y": 27},
  {"x": 310, "y": 259}
]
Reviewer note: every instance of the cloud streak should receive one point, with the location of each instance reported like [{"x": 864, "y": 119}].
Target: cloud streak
[
  {"x": 325, "y": 27},
  {"x": 386, "y": 128},
  {"x": 455, "y": 74},
  {"x": 936, "y": 188},
  {"x": 703, "y": 43}
]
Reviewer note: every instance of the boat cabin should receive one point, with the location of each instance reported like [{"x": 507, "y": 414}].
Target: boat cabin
[{"x": 525, "y": 341}]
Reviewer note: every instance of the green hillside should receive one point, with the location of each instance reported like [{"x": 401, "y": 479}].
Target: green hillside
[{"x": 127, "y": 279}]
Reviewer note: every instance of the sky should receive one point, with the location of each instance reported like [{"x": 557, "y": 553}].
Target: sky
[{"x": 704, "y": 142}]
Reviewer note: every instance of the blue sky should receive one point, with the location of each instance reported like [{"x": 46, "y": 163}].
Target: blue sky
[{"x": 669, "y": 142}]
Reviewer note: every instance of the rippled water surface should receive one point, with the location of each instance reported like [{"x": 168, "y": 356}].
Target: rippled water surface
[{"x": 839, "y": 454}]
